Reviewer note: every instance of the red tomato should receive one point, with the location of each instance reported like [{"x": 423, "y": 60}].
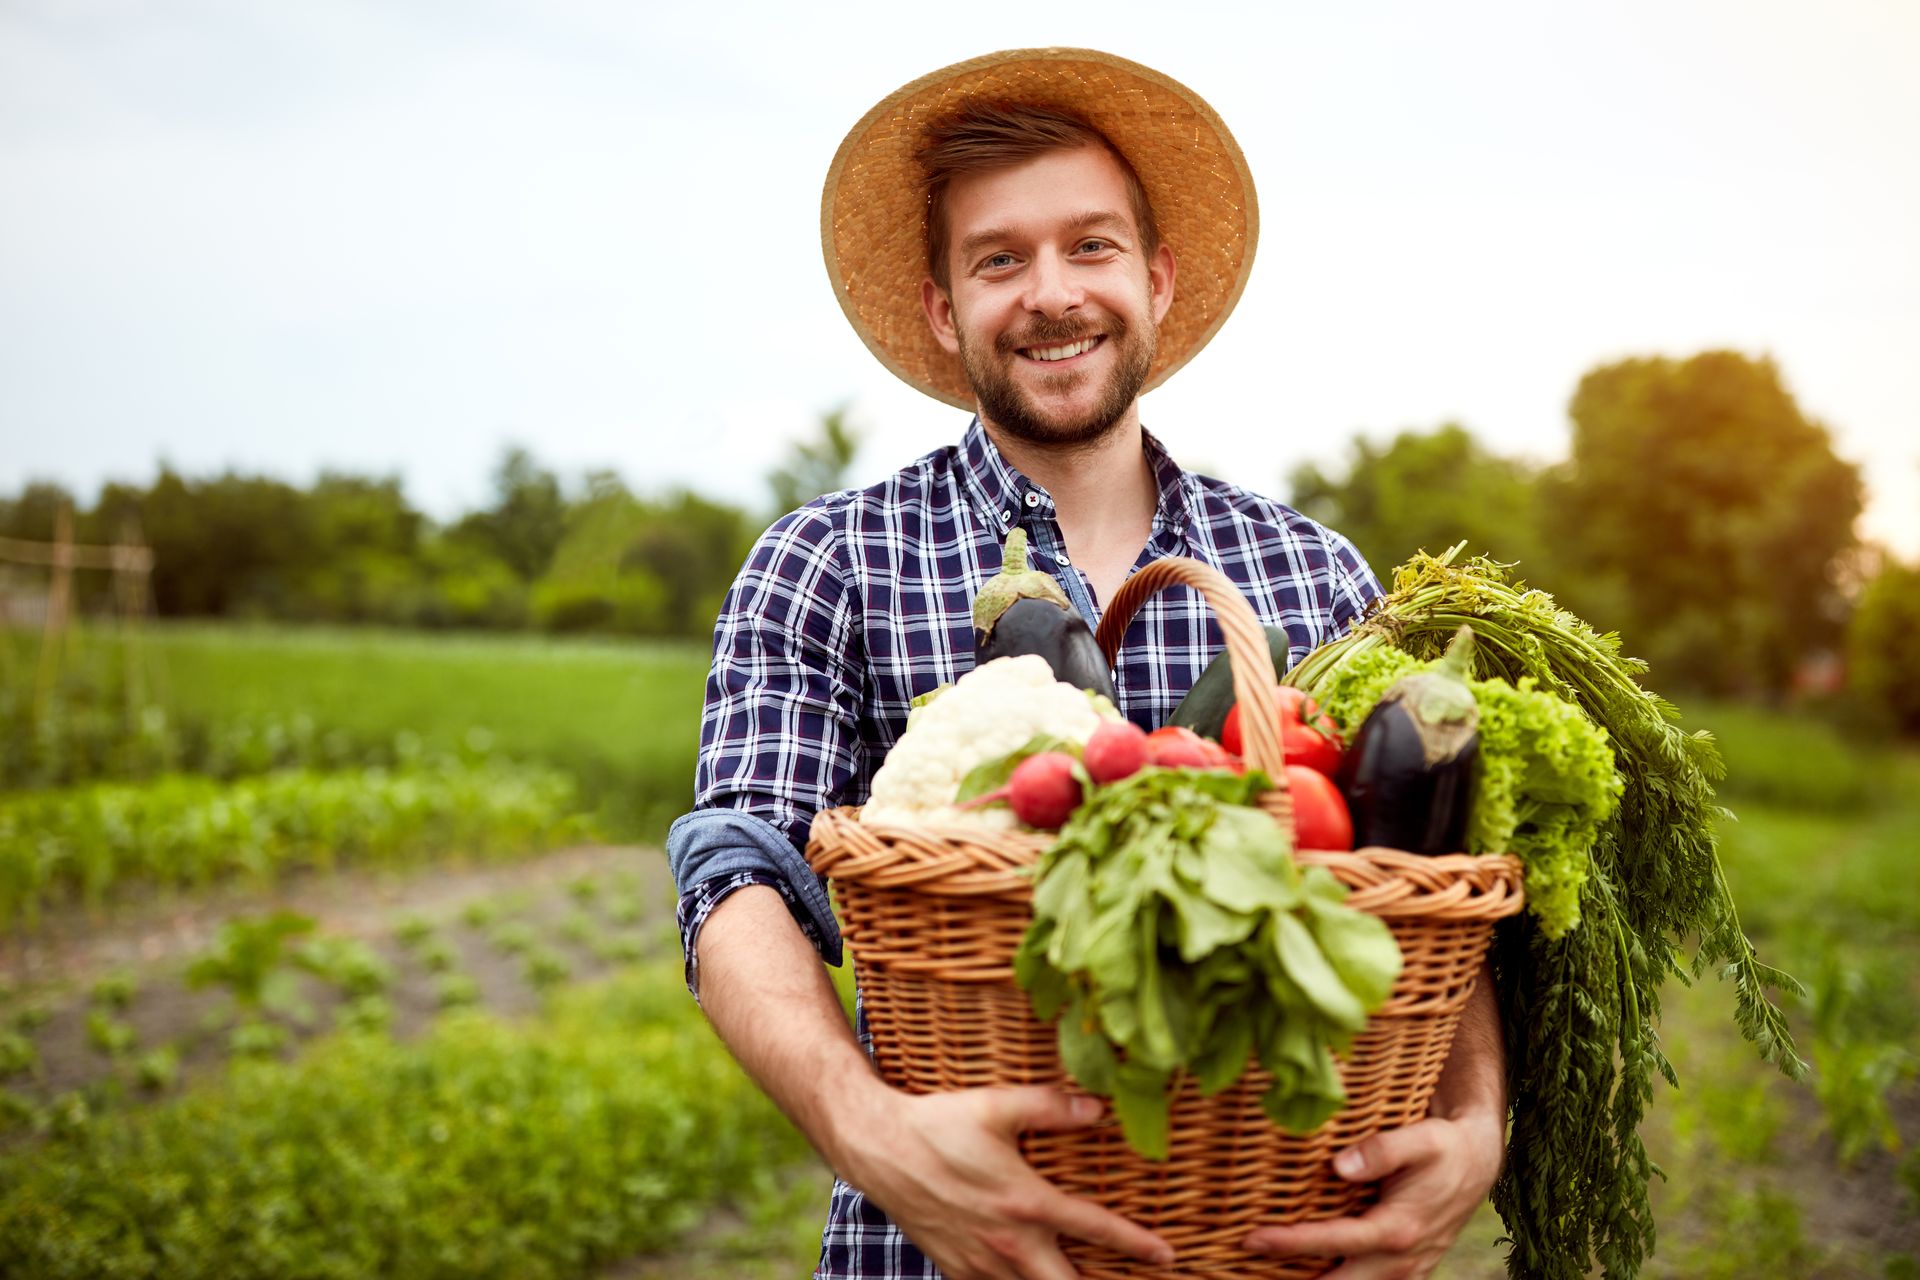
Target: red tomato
[
  {"x": 1320, "y": 817},
  {"x": 1307, "y": 735},
  {"x": 1173, "y": 747}
]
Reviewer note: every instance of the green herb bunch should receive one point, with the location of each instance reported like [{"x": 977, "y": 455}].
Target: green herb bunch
[
  {"x": 1579, "y": 1010},
  {"x": 1174, "y": 935}
]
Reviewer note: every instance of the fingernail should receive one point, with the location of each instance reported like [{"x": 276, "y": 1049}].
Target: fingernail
[
  {"x": 1349, "y": 1163},
  {"x": 1086, "y": 1110},
  {"x": 1163, "y": 1256}
]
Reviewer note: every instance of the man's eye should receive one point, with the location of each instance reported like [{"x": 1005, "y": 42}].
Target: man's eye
[
  {"x": 999, "y": 260},
  {"x": 1092, "y": 246}
]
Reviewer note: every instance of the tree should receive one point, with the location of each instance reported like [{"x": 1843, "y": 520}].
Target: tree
[
  {"x": 814, "y": 467},
  {"x": 1704, "y": 513},
  {"x": 1426, "y": 491},
  {"x": 642, "y": 567},
  {"x": 226, "y": 545},
  {"x": 1883, "y": 658},
  {"x": 528, "y": 517}
]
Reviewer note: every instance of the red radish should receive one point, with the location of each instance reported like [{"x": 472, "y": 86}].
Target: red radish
[
  {"x": 1117, "y": 749},
  {"x": 1320, "y": 816},
  {"x": 1043, "y": 791}
]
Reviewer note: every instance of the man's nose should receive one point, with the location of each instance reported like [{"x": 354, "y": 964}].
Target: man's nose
[{"x": 1051, "y": 289}]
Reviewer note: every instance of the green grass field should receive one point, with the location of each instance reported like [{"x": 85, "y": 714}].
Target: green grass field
[
  {"x": 1764, "y": 1177},
  {"x": 622, "y": 716}
]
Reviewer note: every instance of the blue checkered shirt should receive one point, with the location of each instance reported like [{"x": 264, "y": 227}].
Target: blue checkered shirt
[{"x": 852, "y": 606}]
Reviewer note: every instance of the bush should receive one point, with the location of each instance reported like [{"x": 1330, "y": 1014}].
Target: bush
[{"x": 1883, "y": 644}]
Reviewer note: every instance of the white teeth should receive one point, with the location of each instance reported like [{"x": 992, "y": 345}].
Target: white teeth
[{"x": 1061, "y": 353}]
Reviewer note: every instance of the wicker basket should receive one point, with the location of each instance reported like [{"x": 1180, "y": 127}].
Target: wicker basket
[{"x": 933, "y": 917}]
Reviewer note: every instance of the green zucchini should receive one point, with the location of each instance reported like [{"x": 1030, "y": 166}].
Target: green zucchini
[{"x": 1204, "y": 709}]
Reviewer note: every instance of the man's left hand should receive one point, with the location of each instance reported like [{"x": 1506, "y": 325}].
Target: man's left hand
[{"x": 1433, "y": 1175}]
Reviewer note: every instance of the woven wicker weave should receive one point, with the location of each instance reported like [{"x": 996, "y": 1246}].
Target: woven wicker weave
[{"x": 933, "y": 916}]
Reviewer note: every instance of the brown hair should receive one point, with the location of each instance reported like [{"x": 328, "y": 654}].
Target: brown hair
[{"x": 986, "y": 135}]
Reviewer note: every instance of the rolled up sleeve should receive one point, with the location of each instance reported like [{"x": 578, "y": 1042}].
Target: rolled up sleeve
[{"x": 779, "y": 738}]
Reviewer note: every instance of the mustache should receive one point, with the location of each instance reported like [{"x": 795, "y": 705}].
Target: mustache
[{"x": 1057, "y": 333}]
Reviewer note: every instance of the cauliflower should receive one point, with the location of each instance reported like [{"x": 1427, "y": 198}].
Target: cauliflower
[{"x": 990, "y": 712}]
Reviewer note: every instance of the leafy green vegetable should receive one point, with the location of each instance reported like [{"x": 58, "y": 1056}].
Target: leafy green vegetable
[
  {"x": 1173, "y": 934},
  {"x": 1580, "y": 1010},
  {"x": 1547, "y": 778}
]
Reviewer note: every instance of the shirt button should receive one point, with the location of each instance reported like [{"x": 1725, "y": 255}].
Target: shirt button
[
  {"x": 1006, "y": 517},
  {"x": 1064, "y": 560},
  {"x": 1033, "y": 499}
]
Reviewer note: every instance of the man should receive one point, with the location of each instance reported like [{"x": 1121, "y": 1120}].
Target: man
[{"x": 1007, "y": 234}]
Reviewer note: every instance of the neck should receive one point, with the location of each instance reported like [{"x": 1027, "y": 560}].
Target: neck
[{"x": 1096, "y": 485}]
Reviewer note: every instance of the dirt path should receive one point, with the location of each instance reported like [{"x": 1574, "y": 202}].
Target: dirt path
[{"x": 75, "y": 946}]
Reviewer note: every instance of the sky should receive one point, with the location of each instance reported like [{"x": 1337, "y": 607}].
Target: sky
[{"x": 392, "y": 238}]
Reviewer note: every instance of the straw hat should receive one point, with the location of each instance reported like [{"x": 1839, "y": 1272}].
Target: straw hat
[{"x": 872, "y": 213}]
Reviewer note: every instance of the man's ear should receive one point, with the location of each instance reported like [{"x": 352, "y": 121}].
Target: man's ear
[
  {"x": 939, "y": 308},
  {"x": 1160, "y": 275}
]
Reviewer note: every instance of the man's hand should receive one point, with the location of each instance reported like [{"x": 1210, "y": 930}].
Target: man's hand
[
  {"x": 947, "y": 1170},
  {"x": 1434, "y": 1173}
]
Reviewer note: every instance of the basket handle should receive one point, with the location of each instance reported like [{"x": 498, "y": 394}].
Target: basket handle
[{"x": 1253, "y": 684}]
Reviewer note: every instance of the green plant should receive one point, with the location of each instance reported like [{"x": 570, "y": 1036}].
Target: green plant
[
  {"x": 545, "y": 969},
  {"x": 32, "y": 1016},
  {"x": 414, "y": 931},
  {"x": 620, "y": 949},
  {"x": 157, "y": 1070},
  {"x": 623, "y": 908},
  {"x": 109, "y": 1034},
  {"x": 116, "y": 990},
  {"x": 84, "y": 844},
  {"x": 455, "y": 991},
  {"x": 256, "y": 1038},
  {"x": 17, "y": 1112},
  {"x": 248, "y": 958},
  {"x": 18, "y": 1054},
  {"x": 367, "y": 1013},
  {"x": 437, "y": 955},
  {"x": 480, "y": 913},
  {"x": 606, "y": 1128},
  {"x": 584, "y": 889},
  {"x": 513, "y": 937},
  {"x": 1857, "y": 1063},
  {"x": 348, "y": 963},
  {"x": 580, "y": 928}
]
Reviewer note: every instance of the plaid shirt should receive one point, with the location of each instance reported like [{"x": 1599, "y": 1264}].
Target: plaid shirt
[{"x": 852, "y": 606}]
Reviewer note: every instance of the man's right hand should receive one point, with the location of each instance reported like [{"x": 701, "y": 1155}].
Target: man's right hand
[{"x": 946, "y": 1167}]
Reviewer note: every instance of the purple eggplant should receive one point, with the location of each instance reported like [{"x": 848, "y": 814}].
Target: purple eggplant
[
  {"x": 1409, "y": 775},
  {"x": 1022, "y": 610}
]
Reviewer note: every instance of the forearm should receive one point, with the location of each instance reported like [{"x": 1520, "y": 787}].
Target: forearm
[
  {"x": 1473, "y": 1083},
  {"x": 769, "y": 998}
]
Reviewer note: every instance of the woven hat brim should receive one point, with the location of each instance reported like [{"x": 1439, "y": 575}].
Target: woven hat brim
[{"x": 873, "y": 213}]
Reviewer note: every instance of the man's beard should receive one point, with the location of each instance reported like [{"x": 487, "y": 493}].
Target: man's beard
[{"x": 1007, "y": 407}]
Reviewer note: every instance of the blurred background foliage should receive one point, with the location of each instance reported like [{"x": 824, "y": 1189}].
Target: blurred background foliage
[{"x": 1699, "y": 511}]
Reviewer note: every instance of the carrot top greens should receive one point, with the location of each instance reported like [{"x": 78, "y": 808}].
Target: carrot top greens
[{"x": 1579, "y": 1009}]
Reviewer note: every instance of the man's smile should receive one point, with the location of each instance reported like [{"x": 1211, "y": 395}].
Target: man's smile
[{"x": 1065, "y": 353}]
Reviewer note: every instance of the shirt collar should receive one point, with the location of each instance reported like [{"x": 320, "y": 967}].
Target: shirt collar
[{"x": 1001, "y": 493}]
